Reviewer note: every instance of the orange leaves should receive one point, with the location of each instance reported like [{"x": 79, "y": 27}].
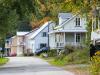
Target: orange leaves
[{"x": 40, "y": 22}]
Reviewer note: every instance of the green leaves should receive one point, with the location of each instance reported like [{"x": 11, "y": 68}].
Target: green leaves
[{"x": 8, "y": 21}]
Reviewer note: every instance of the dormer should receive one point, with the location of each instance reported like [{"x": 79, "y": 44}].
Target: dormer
[{"x": 64, "y": 17}]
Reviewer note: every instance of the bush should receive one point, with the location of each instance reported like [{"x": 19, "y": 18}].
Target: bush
[
  {"x": 68, "y": 49},
  {"x": 75, "y": 57},
  {"x": 79, "y": 57},
  {"x": 43, "y": 55},
  {"x": 52, "y": 53},
  {"x": 95, "y": 64}
]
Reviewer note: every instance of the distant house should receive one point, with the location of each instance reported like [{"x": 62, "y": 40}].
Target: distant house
[
  {"x": 28, "y": 42},
  {"x": 13, "y": 46},
  {"x": 70, "y": 31},
  {"x": 7, "y": 47},
  {"x": 95, "y": 34},
  {"x": 20, "y": 42},
  {"x": 38, "y": 38}
]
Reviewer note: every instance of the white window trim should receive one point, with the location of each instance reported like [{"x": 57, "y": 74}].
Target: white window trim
[
  {"x": 76, "y": 37},
  {"x": 76, "y": 24}
]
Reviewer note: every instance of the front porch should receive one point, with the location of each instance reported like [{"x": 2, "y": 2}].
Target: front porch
[{"x": 69, "y": 38}]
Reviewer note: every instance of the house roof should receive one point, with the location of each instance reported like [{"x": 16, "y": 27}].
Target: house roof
[
  {"x": 13, "y": 36},
  {"x": 74, "y": 30},
  {"x": 65, "y": 15},
  {"x": 31, "y": 32},
  {"x": 40, "y": 29},
  {"x": 66, "y": 21},
  {"x": 21, "y": 33}
]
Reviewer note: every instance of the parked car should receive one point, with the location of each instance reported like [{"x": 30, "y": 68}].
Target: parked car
[{"x": 42, "y": 50}]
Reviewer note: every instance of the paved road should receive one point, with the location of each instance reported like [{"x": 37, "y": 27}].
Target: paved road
[{"x": 30, "y": 66}]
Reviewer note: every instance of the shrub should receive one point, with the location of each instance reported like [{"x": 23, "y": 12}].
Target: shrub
[
  {"x": 79, "y": 56},
  {"x": 68, "y": 49},
  {"x": 43, "y": 55},
  {"x": 95, "y": 64},
  {"x": 76, "y": 57},
  {"x": 52, "y": 53}
]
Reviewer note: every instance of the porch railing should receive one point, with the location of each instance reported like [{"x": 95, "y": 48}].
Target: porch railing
[{"x": 61, "y": 45}]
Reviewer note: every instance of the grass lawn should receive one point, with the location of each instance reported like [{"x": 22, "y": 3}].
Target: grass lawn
[{"x": 3, "y": 61}]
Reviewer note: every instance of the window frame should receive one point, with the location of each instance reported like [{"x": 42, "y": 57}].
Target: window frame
[
  {"x": 78, "y": 37},
  {"x": 44, "y": 34},
  {"x": 78, "y": 22}
]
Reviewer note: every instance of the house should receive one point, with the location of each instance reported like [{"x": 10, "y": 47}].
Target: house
[
  {"x": 7, "y": 47},
  {"x": 27, "y": 41},
  {"x": 13, "y": 46},
  {"x": 95, "y": 34},
  {"x": 38, "y": 38},
  {"x": 70, "y": 31},
  {"x": 20, "y": 42}
]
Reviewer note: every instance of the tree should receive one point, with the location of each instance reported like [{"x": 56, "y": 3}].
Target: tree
[{"x": 24, "y": 26}]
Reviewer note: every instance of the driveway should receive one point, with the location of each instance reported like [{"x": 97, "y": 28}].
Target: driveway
[{"x": 30, "y": 66}]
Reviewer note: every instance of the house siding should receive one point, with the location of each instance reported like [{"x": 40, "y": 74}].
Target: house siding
[
  {"x": 52, "y": 41},
  {"x": 72, "y": 25},
  {"x": 13, "y": 46},
  {"x": 35, "y": 38},
  {"x": 40, "y": 39},
  {"x": 69, "y": 37}
]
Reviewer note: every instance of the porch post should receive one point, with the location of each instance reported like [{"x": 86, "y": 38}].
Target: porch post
[
  {"x": 98, "y": 24},
  {"x": 75, "y": 39},
  {"x": 92, "y": 24},
  {"x": 64, "y": 39}
]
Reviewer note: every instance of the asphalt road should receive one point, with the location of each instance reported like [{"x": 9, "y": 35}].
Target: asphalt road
[{"x": 30, "y": 66}]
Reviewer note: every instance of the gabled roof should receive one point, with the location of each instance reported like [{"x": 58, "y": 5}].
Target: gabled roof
[
  {"x": 31, "y": 32},
  {"x": 21, "y": 33},
  {"x": 40, "y": 29},
  {"x": 66, "y": 21},
  {"x": 65, "y": 15}
]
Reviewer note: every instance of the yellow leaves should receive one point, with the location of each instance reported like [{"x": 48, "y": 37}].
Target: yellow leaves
[
  {"x": 97, "y": 53},
  {"x": 39, "y": 23},
  {"x": 95, "y": 64}
]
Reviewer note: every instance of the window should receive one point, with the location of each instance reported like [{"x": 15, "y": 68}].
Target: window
[
  {"x": 78, "y": 37},
  {"x": 7, "y": 42},
  {"x": 78, "y": 22},
  {"x": 43, "y": 45},
  {"x": 44, "y": 34}
]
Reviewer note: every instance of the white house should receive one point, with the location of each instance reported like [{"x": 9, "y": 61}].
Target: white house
[
  {"x": 95, "y": 34},
  {"x": 70, "y": 31},
  {"x": 38, "y": 38},
  {"x": 28, "y": 42}
]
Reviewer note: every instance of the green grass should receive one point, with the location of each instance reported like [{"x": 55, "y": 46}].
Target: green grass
[{"x": 3, "y": 61}]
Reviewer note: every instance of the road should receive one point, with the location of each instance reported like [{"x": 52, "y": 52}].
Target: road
[{"x": 30, "y": 66}]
